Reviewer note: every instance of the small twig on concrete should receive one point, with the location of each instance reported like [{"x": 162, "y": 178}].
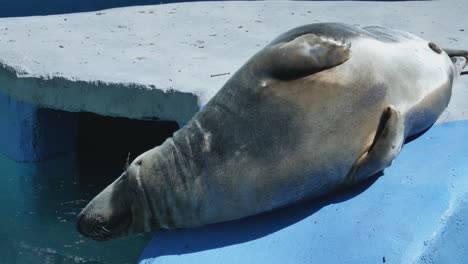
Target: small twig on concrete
[
  {"x": 463, "y": 73},
  {"x": 220, "y": 74}
]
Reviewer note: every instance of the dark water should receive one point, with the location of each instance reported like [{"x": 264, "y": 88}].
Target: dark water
[{"x": 38, "y": 207}]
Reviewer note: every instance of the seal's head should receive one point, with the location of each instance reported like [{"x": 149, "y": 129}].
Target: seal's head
[{"x": 120, "y": 209}]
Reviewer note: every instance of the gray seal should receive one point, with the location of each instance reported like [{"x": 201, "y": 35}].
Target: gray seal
[{"x": 320, "y": 108}]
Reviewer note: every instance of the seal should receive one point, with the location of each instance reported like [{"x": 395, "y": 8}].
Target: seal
[{"x": 322, "y": 107}]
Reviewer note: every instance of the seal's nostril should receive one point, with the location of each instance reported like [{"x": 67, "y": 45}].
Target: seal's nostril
[{"x": 86, "y": 225}]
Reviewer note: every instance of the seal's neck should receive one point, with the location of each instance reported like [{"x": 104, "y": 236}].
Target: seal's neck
[{"x": 176, "y": 198}]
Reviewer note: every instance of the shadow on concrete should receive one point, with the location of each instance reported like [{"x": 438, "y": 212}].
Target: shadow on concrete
[
  {"x": 235, "y": 232},
  {"x": 417, "y": 135}
]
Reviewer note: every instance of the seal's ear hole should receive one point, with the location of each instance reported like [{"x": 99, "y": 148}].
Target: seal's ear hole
[
  {"x": 139, "y": 162},
  {"x": 435, "y": 48}
]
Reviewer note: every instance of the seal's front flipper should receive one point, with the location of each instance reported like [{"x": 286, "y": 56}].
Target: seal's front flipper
[
  {"x": 387, "y": 144},
  {"x": 302, "y": 56}
]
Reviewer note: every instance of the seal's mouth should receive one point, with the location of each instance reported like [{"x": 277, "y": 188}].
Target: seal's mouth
[
  {"x": 108, "y": 215},
  {"x": 97, "y": 228}
]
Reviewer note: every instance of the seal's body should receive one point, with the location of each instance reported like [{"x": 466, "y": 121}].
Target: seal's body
[{"x": 321, "y": 107}]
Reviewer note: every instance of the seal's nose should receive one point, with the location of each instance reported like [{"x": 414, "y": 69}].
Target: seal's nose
[
  {"x": 83, "y": 225},
  {"x": 80, "y": 225},
  {"x": 92, "y": 227}
]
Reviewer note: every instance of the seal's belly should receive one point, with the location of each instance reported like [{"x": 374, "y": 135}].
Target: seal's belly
[{"x": 304, "y": 149}]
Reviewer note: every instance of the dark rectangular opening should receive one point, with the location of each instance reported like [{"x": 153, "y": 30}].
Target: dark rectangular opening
[{"x": 104, "y": 143}]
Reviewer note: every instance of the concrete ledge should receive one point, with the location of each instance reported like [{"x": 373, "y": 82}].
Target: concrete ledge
[
  {"x": 165, "y": 61},
  {"x": 415, "y": 213},
  {"x": 110, "y": 99}
]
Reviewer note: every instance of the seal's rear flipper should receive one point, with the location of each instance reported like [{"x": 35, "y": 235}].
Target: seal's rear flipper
[
  {"x": 302, "y": 56},
  {"x": 387, "y": 144},
  {"x": 456, "y": 55}
]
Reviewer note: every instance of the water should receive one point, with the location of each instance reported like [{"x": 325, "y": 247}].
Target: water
[{"x": 38, "y": 208}]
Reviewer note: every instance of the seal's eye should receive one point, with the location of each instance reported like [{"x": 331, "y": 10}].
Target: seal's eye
[
  {"x": 139, "y": 162},
  {"x": 435, "y": 48}
]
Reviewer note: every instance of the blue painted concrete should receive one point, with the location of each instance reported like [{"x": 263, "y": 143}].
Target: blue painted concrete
[
  {"x": 415, "y": 213},
  {"x": 29, "y": 133},
  {"x": 449, "y": 244}
]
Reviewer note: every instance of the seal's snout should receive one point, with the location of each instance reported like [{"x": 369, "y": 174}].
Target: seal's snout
[
  {"x": 99, "y": 228},
  {"x": 79, "y": 224},
  {"x": 109, "y": 214},
  {"x": 92, "y": 227},
  {"x": 85, "y": 225}
]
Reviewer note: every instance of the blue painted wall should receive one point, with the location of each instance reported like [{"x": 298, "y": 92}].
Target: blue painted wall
[
  {"x": 29, "y": 133},
  {"x": 415, "y": 213}
]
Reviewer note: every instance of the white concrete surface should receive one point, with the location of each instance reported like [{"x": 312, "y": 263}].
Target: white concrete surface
[{"x": 159, "y": 61}]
